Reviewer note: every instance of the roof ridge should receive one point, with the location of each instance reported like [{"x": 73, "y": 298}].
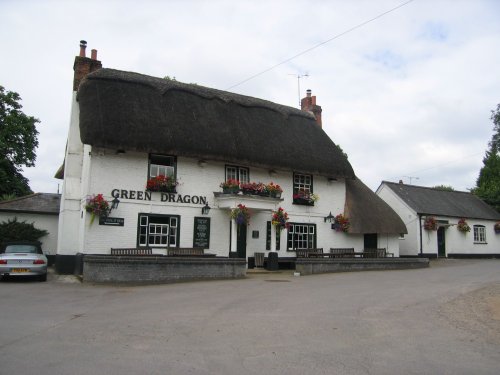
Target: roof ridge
[
  {"x": 426, "y": 187},
  {"x": 20, "y": 198}
]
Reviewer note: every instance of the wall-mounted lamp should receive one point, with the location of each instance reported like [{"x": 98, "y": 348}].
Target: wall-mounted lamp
[
  {"x": 205, "y": 209},
  {"x": 114, "y": 203},
  {"x": 202, "y": 163},
  {"x": 329, "y": 218},
  {"x": 273, "y": 173},
  {"x": 120, "y": 152}
]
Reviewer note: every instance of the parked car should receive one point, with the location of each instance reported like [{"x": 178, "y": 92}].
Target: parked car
[{"x": 23, "y": 259}]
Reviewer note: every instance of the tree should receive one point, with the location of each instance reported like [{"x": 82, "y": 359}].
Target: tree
[
  {"x": 13, "y": 230},
  {"x": 444, "y": 187},
  {"x": 488, "y": 183},
  {"x": 18, "y": 141}
]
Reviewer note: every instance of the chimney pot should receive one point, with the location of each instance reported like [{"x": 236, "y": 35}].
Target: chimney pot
[
  {"x": 83, "y": 45},
  {"x": 308, "y": 93},
  {"x": 93, "y": 55}
]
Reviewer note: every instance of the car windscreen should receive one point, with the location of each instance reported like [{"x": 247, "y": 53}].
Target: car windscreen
[{"x": 29, "y": 249}]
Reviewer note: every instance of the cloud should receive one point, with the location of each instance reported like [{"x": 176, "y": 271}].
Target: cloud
[{"x": 409, "y": 94}]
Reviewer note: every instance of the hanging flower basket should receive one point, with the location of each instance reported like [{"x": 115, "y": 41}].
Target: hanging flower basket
[
  {"x": 280, "y": 219},
  {"x": 166, "y": 184},
  {"x": 230, "y": 186},
  {"x": 497, "y": 227},
  {"x": 430, "y": 223},
  {"x": 96, "y": 205},
  {"x": 241, "y": 215},
  {"x": 341, "y": 223},
  {"x": 462, "y": 226}
]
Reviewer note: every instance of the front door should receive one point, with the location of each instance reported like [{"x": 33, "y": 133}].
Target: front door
[
  {"x": 441, "y": 242},
  {"x": 371, "y": 241},
  {"x": 241, "y": 241}
]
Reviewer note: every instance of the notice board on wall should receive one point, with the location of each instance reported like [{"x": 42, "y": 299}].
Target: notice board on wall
[{"x": 201, "y": 236}]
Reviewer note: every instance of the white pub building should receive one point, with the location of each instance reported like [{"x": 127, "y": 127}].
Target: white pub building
[{"x": 158, "y": 150}]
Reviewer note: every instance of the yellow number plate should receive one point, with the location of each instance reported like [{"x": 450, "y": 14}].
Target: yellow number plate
[{"x": 19, "y": 270}]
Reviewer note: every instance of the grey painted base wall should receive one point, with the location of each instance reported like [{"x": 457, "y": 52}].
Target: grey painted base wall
[
  {"x": 159, "y": 269},
  {"x": 309, "y": 266}
]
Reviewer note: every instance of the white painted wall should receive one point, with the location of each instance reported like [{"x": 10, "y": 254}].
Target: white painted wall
[
  {"x": 41, "y": 221},
  {"x": 69, "y": 216},
  {"x": 108, "y": 170},
  {"x": 410, "y": 243}
]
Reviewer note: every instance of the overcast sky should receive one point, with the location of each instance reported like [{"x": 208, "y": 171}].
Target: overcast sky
[{"x": 408, "y": 95}]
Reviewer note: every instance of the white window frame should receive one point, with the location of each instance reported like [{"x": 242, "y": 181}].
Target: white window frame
[
  {"x": 479, "y": 234},
  {"x": 156, "y": 169},
  {"x": 154, "y": 232},
  {"x": 241, "y": 174},
  {"x": 301, "y": 236},
  {"x": 302, "y": 182}
]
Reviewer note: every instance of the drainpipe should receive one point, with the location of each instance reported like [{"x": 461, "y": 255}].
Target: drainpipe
[{"x": 420, "y": 227}]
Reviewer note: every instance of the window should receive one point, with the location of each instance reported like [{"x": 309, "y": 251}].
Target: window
[
  {"x": 158, "y": 230},
  {"x": 161, "y": 165},
  {"x": 268, "y": 237},
  {"x": 303, "y": 189},
  {"x": 240, "y": 174},
  {"x": 479, "y": 234},
  {"x": 301, "y": 236}
]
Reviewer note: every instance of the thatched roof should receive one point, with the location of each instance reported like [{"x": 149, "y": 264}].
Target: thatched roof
[
  {"x": 129, "y": 111},
  {"x": 431, "y": 201},
  {"x": 38, "y": 203},
  {"x": 368, "y": 213}
]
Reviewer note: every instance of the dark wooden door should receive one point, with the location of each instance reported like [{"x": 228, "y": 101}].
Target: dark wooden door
[
  {"x": 371, "y": 241},
  {"x": 241, "y": 241},
  {"x": 441, "y": 238}
]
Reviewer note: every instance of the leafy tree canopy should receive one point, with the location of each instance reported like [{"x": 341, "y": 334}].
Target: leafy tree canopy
[
  {"x": 444, "y": 187},
  {"x": 13, "y": 230},
  {"x": 18, "y": 141},
  {"x": 488, "y": 183}
]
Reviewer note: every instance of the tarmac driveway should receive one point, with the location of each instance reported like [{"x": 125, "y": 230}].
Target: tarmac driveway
[{"x": 440, "y": 320}]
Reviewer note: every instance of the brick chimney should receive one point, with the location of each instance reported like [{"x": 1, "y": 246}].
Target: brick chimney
[
  {"x": 84, "y": 65},
  {"x": 309, "y": 104}
]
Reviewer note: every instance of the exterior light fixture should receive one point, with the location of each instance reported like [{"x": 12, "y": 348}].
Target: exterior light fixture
[
  {"x": 205, "y": 209},
  {"x": 114, "y": 203},
  {"x": 329, "y": 218}
]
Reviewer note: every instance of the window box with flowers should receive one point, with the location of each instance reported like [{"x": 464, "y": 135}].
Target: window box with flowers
[
  {"x": 274, "y": 190},
  {"x": 96, "y": 205},
  {"x": 230, "y": 186},
  {"x": 304, "y": 197},
  {"x": 280, "y": 219},
  {"x": 341, "y": 223},
  {"x": 241, "y": 215},
  {"x": 430, "y": 223},
  {"x": 253, "y": 188},
  {"x": 162, "y": 183},
  {"x": 462, "y": 226}
]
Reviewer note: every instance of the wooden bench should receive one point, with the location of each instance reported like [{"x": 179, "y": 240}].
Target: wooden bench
[
  {"x": 342, "y": 252},
  {"x": 186, "y": 251},
  {"x": 376, "y": 253},
  {"x": 131, "y": 251},
  {"x": 309, "y": 253}
]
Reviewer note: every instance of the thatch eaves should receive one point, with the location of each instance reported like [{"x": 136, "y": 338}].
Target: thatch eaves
[
  {"x": 368, "y": 213},
  {"x": 129, "y": 111}
]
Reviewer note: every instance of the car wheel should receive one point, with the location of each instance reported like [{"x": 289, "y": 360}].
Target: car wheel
[{"x": 42, "y": 277}]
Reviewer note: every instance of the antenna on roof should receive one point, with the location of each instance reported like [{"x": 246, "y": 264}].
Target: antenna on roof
[
  {"x": 299, "y": 76},
  {"x": 411, "y": 177}
]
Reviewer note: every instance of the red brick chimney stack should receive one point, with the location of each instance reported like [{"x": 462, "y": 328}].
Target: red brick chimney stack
[
  {"x": 308, "y": 104},
  {"x": 84, "y": 65}
]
